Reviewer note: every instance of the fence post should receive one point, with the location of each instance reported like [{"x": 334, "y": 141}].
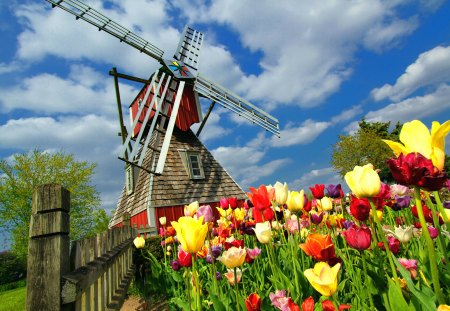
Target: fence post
[{"x": 48, "y": 249}]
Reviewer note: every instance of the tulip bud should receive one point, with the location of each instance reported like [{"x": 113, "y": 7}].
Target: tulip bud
[
  {"x": 139, "y": 242},
  {"x": 162, "y": 220},
  {"x": 263, "y": 232}
]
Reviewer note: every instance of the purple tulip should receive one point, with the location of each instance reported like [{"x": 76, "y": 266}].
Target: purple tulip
[
  {"x": 348, "y": 223},
  {"x": 334, "y": 191},
  {"x": 316, "y": 218},
  {"x": 446, "y": 204},
  {"x": 175, "y": 265},
  {"x": 218, "y": 276},
  {"x": 433, "y": 232},
  {"x": 216, "y": 250},
  {"x": 402, "y": 202},
  {"x": 206, "y": 211}
]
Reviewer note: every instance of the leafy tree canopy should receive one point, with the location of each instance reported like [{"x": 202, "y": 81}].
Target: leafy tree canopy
[
  {"x": 365, "y": 146},
  {"x": 19, "y": 178}
]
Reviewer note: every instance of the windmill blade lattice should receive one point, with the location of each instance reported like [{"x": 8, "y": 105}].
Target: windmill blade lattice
[
  {"x": 94, "y": 17},
  {"x": 188, "y": 49},
  {"x": 233, "y": 102}
]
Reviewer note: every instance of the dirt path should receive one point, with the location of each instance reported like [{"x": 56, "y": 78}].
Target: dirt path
[{"x": 134, "y": 303}]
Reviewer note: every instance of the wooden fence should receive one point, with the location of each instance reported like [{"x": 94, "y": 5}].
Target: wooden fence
[{"x": 91, "y": 274}]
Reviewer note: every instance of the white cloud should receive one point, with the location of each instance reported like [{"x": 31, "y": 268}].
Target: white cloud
[
  {"x": 430, "y": 68},
  {"x": 212, "y": 129},
  {"x": 84, "y": 91},
  {"x": 304, "y": 59},
  {"x": 418, "y": 107},
  {"x": 347, "y": 114},
  {"x": 301, "y": 135},
  {"x": 325, "y": 176}
]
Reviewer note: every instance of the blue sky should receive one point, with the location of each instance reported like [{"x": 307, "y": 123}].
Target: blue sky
[{"x": 317, "y": 66}]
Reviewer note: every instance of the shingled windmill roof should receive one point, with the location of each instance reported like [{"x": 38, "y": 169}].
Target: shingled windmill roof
[{"x": 174, "y": 186}]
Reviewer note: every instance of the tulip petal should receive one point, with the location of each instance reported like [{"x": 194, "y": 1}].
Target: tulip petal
[
  {"x": 438, "y": 134},
  {"x": 396, "y": 147},
  {"x": 416, "y": 137}
]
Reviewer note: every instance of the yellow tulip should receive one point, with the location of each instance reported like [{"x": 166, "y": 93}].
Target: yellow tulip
[
  {"x": 295, "y": 201},
  {"x": 191, "y": 209},
  {"x": 191, "y": 233},
  {"x": 416, "y": 137},
  {"x": 263, "y": 232},
  {"x": 325, "y": 204},
  {"x": 323, "y": 278},
  {"x": 233, "y": 257},
  {"x": 363, "y": 181},
  {"x": 239, "y": 214},
  {"x": 139, "y": 242},
  {"x": 443, "y": 308},
  {"x": 281, "y": 192}
]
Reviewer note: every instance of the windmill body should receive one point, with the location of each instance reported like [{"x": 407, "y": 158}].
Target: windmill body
[{"x": 167, "y": 166}]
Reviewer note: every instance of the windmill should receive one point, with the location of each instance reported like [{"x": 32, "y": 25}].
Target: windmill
[{"x": 170, "y": 97}]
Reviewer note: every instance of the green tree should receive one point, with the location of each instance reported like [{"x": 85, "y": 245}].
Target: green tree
[
  {"x": 365, "y": 146},
  {"x": 29, "y": 170}
]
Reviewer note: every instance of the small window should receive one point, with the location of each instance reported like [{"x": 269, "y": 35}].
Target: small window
[
  {"x": 129, "y": 179},
  {"x": 193, "y": 164}
]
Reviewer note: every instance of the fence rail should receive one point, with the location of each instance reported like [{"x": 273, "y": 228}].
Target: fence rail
[{"x": 90, "y": 274}]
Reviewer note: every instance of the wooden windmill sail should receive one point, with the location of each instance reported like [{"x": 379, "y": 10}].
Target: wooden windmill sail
[{"x": 170, "y": 97}]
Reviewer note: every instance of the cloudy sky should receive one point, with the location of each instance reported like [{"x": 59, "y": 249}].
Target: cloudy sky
[{"x": 317, "y": 66}]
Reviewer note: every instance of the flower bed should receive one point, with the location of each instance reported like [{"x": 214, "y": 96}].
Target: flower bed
[{"x": 381, "y": 247}]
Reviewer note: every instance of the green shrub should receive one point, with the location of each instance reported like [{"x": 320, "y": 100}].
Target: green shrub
[{"x": 12, "y": 268}]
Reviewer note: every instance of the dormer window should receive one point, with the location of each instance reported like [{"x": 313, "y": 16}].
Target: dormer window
[{"x": 193, "y": 164}]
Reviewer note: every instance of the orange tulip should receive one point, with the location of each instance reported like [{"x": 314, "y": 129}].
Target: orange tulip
[{"x": 319, "y": 247}]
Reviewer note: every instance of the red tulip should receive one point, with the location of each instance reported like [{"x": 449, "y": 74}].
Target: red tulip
[
  {"x": 360, "y": 208},
  {"x": 308, "y": 304},
  {"x": 293, "y": 306},
  {"x": 414, "y": 169},
  {"x": 184, "y": 258},
  {"x": 318, "y": 191},
  {"x": 233, "y": 202},
  {"x": 327, "y": 305},
  {"x": 319, "y": 247},
  {"x": 224, "y": 203},
  {"x": 235, "y": 243},
  {"x": 358, "y": 237},
  {"x": 261, "y": 198},
  {"x": 253, "y": 302},
  {"x": 263, "y": 215}
]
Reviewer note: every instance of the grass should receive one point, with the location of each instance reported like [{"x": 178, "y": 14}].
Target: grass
[{"x": 14, "y": 299}]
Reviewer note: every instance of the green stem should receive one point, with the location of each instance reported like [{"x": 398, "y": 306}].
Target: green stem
[
  {"x": 294, "y": 257},
  {"x": 363, "y": 258},
  {"x": 430, "y": 246},
  {"x": 437, "y": 225},
  {"x": 385, "y": 243},
  {"x": 196, "y": 286},
  {"x": 441, "y": 209},
  {"x": 236, "y": 290}
]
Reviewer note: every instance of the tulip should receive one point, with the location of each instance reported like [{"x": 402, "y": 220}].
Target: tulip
[
  {"x": 335, "y": 191},
  {"x": 308, "y": 304},
  {"x": 416, "y": 138},
  {"x": 403, "y": 234},
  {"x": 400, "y": 190},
  {"x": 162, "y": 220},
  {"x": 261, "y": 198},
  {"x": 413, "y": 169},
  {"x": 316, "y": 218},
  {"x": 323, "y": 278},
  {"x": 443, "y": 308},
  {"x": 319, "y": 247},
  {"x": 291, "y": 225},
  {"x": 253, "y": 302},
  {"x": 191, "y": 209},
  {"x": 279, "y": 299},
  {"x": 139, "y": 242},
  {"x": 358, "y": 237},
  {"x": 360, "y": 208},
  {"x": 206, "y": 212},
  {"x": 191, "y": 233},
  {"x": 263, "y": 232},
  {"x": 233, "y": 257},
  {"x": 253, "y": 252},
  {"x": 325, "y": 204},
  {"x": 394, "y": 244},
  {"x": 363, "y": 181},
  {"x": 318, "y": 191},
  {"x": 433, "y": 232},
  {"x": 233, "y": 202},
  {"x": 295, "y": 201},
  {"x": 230, "y": 275},
  {"x": 239, "y": 214},
  {"x": 410, "y": 265},
  {"x": 224, "y": 203},
  {"x": 281, "y": 192},
  {"x": 184, "y": 258},
  {"x": 402, "y": 202},
  {"x": 175, "y": 265}
]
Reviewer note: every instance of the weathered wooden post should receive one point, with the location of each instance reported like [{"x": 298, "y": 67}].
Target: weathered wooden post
[{"x": 48, "y": 249}]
